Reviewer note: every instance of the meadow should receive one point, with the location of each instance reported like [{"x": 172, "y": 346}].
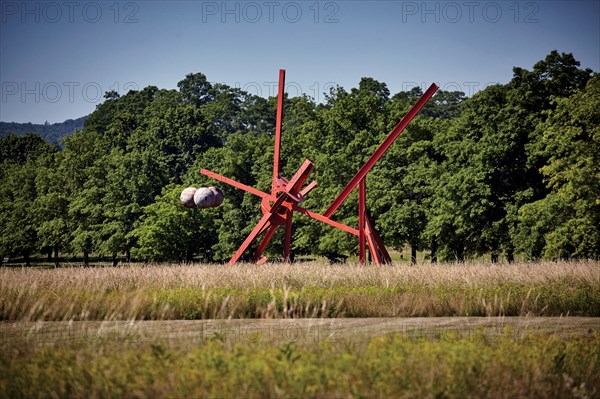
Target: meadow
[
  {"x": 169, "y": 331},
  {"x": 191, "y": 292}
]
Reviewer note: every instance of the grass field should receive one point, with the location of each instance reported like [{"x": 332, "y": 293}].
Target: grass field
[
  {"x": 299, "y": 290},
  {"x": 508, "y": 363},
  {"x": 302, "y": 330}
]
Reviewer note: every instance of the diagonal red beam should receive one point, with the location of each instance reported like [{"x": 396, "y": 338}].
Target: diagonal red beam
[
  {"x": 362, "y": 205},
  {"x": 233, "y": 183},
  {"x": 308, "y": 188},
  {"x": 383, "y": 147},
  {"x": 263, "y": 244},
  {"x": 278, "y": 121},
  {"x": 373, "y": 246},
  {"x": 253, "y": 234},
  {"x": 301, "y": 175},
  {"x": 257, "y": 229},
  {"x": 325, "y": 219},
  {"x": 287, "y": 241},
  {"x": 384, "y": 253}
]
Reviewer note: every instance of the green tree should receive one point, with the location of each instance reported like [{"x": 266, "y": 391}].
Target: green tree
[
  {"x": 133, "y": 181},
  {"x": 21, "y": 161},
  {"x": 566, "y": 222},
  {"x": 491, "y": 148},
  {"x": 20, "y": 149},
  {"x": 51, "y": 208},
  {"x": 401, "y": 187},
  {"x": 84, "y": 169},
  {"x": 195, "y": 89},
  {"x": 18, "y": 234},
  {"x": 168, "y": 231}
]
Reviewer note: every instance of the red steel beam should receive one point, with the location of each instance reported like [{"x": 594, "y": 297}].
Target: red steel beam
[
  {"x": 385, "y": 254},
  {"x": 301, "y": 175},
  {"x": 308, "y": 188},
  {"x": 287, "y": 241},
  {"x": 240, "y": 251},
  {"x": 233, "y": 183},
  {"x": 263, "y": 244},
  {"x": 383, "y": 147},
  {"x": 373, "y": 248},
  {"x": 325, "y": 220},
  {"x": 278, "y": 122},
  {"x": 361, "y": 220},
  {"x": 257, "y": 229}
]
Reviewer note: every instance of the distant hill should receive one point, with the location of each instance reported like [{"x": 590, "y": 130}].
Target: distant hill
[{"x": 52, "y": 133}]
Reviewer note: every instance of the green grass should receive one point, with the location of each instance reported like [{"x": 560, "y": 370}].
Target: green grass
[
  {"x": 391, "y": 366},
  {"x": 301, "y": 290}
]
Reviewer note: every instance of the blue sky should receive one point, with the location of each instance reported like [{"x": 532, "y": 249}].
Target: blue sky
[{"x": 58, "y": 58}]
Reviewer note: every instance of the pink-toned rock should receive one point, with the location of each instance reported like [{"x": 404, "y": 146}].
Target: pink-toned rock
[
  {"x": 218, "y": 196},
  {"x": 204, "y": 198},
  {"x": 187, "y": 197}
]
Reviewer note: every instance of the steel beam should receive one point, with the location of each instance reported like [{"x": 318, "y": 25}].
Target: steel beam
[
  {"x": 361, "y": 220},
  {"x": 383, "y": 147},
  {"x": 278, "y": 122}
]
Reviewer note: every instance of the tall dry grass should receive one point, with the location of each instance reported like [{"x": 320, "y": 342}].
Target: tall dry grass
[{"x": 299, "y": 290}]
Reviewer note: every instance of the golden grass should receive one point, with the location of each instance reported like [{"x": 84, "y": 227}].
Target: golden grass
[{"x": 202, "y": 291}]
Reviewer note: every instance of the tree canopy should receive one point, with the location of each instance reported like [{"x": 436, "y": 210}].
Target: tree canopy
[{"x": 512, "y": 169}]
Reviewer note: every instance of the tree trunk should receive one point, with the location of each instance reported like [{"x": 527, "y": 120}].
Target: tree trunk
[
  {"x": 494, "y": 257},
  {"x": 50, "y": 254},
  {"x": 56, "y": 262},
  {"x": 27, "y": 260},
  {"x": 433, "y": 250},
  {"x": 114, "y": 259},
  {"x": 413, "y": 254},
  {"x": 460, "y": 254},
  {"x": 128, "y": 255},
  {"x": 86, "y": 258},
  {"x": 510, "y": 256}
]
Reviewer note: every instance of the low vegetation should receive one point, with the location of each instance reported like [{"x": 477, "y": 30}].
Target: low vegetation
[
  {"x": 161, "y": 292},
  {"x": 539, "y": 365}
]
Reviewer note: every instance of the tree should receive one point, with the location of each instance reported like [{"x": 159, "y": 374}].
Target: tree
[
  {"x": 133, "y": 181},
  {"x": 18, "y": 234},
  {"x": 20, "y": 149},
  {"x": 492, "y": 145},
  {"x": 51, "y": 208},
  {"x": 195, "y": 89},
  {"x": 84, "y": 167},
  {"x": 566, "y": 222},
  {"x": 168, "y": 231},
  {"x": 21, "y": 160},
  {"x": 402, "y": 185}
]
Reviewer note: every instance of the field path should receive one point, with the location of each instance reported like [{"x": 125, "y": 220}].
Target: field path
[{"x": 292, "y": 330}]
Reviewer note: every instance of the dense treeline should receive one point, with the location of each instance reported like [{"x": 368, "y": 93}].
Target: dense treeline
[
  {"x": 52, "y": 133},
  {"x": 513, "y": 169}
]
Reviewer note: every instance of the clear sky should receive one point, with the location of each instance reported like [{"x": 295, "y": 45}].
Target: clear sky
[{"x": 57, "y": 58}]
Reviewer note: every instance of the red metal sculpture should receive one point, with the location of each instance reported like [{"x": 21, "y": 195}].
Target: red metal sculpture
[{"x": 286, "y": 195}]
